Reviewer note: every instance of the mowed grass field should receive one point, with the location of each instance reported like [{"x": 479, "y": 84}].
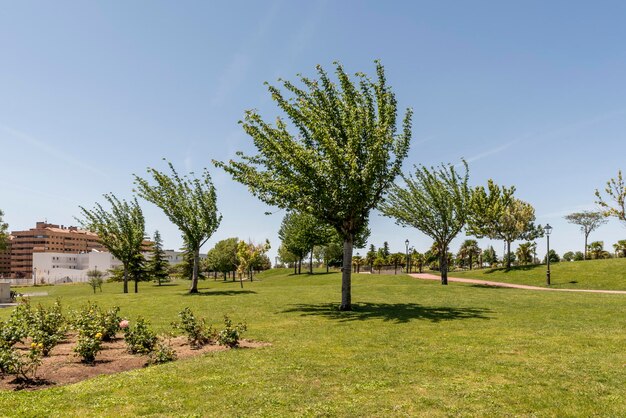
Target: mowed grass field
[
  {"x": 409, "y": 348},
  {"x": 591, "y": 274}
]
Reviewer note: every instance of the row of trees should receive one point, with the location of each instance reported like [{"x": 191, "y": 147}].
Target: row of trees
[{"x": 189, "y": 203}]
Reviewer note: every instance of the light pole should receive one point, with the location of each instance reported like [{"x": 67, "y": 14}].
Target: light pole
[
  {"x": 548, "y": 230},
  {"x": 406, "y": 243}
]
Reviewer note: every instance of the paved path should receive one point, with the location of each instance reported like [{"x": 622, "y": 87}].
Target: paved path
[{"x": 426, "y": 276}]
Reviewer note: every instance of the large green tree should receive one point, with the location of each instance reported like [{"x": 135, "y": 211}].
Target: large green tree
[
  {"x": 616, "y": 191},
  {"x": 121, "y": 230},
  {"x": 588, "y": 221},
  {"x": 433, "y": 201},
  {"x": 339, "y": 162},
  {"x": 189, "y": 203},
  {"x": 496, "y": 214},
  {"x": 3, "y": 232}
]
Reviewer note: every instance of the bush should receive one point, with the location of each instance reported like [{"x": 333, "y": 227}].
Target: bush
[
  {"x": 230, "y": 335},
  {"x": 139, "y": 338},
  {"x": 23, "y": 366},
  {"x": 110, "y": 321},
  {"x": 92, "y": 318},
  {"x": 15, "y": 329},
  {"x": 162, "y": 353},
  {"x": 198, "y": 334},
  {"x": 47, "y": 326},
  {"x": 88, "y": 345}
]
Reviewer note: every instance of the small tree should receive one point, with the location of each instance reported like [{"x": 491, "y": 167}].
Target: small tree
[
  {"x": 121, "y": 231},
  {"x": 494, "y": 213},
  {"x": 435, "y": 202},
  {"x": 597, "y": 251},
  {"x": 525, "y": 253},
  {"x": 616, "y": 191},
  {"x": 157, "y": 265},
  {"x": 620, "y": 248},
  {"x": 3, "y": 232},
  {"x": 248, "y": 253},
  {"x": 469, "y": 251},
  {"x": 489, "y": 256},
  {"x": 588, "y": 221},
  {"x": 95, "y": 277},
  {"x": 554, "y": 257},
  {"x": 190, "y": 203},
  {"x": 379, "y": 263},
  {"x": 396, "y": 259},
  {"x": 338, "y": 165},
  {"x": 568, "y": 256}
]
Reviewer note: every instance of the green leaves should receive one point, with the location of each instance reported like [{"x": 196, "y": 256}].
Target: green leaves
[
  {"x": 121, "y": 230},
  {"x": 341, "y": 160},
  {"x": 433, "y": 201},
  {"x": 189, "y": 202},
  {"x": 616, "y": 191}
]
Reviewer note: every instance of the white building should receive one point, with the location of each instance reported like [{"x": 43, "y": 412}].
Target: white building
[
  {"x": 67, "y": 268},
  {"x": 70, "y": 268}
]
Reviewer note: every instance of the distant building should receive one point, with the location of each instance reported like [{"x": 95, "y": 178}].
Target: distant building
[
  {"x": 5, "y": 260},
  {"x": 51, "y": 238},
  {"x": 54, "y": 268},
  {"x": 174, "y": 257}
]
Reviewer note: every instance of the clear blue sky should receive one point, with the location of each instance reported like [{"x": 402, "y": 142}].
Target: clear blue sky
[{"x": 531, "y": 93}]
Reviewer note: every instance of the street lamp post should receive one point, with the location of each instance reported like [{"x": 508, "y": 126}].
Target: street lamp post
[
  {"x": 548, "y": 231},
  {"x": 406, "y": 243}
]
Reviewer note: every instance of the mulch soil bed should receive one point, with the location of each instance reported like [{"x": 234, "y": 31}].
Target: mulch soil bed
[{"x": 64, "y": 367}]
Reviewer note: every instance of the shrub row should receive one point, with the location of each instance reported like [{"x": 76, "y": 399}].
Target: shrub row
[{"x": 46, "y": 327}]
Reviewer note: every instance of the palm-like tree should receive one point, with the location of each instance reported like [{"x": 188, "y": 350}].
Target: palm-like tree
[
  {"x": 620, "y": 248},
  {"x": 596, "y": 250},
  {"x": 524, "y": 252},
  {"x": 469, "y": 251}
]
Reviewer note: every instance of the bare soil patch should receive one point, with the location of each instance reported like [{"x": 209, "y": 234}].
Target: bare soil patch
[{"x": 64, "y": 367}]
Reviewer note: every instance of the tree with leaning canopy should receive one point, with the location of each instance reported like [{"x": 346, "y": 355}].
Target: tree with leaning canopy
[
  {"x": 189, "y": 203},
  {"x": 339, "y": 163},
  {"x": 120, "y": 230},
  {"x": 434, "y": 201}
]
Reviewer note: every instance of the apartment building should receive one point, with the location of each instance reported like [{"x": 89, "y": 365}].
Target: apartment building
[
  {"x": 5, "y": 260},
  {"x": 44, "y": 238}
]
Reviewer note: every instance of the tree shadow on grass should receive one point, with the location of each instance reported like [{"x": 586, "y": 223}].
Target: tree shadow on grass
[
  {"x": 513, "y": 268},
  {"x": 395, "y": 312},
  {"x": 488, "y": 286},
  {"x": 221, "y": 293}
]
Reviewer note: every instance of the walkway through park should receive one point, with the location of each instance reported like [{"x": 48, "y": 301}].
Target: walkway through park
[{"x": 426, "y": 276}]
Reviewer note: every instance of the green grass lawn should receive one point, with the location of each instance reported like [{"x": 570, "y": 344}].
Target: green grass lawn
[
  {"x": 410, "y": 348},
  {"x": 591, "y": 274}
]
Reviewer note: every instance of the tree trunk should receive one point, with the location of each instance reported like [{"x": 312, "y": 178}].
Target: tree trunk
[
  {"x": 136, "y": 285},
  {"x": 326, "y": 266},
  {"x": 311, "y": 262},
  {"x": 125, "y": 279},
  {"x": 470, "y": 257},
  {"x": 346, "y": 276},
  {"x": 194, "y": 276},
  {"x": 585, "y": 253},
  {"x": 443, "y": 265},
  {"x": 300, "y": 265},
  {"x": 508, "y": 255},
  {"x": 295, "y": 267},
  {"x": 241, "y": 280}
]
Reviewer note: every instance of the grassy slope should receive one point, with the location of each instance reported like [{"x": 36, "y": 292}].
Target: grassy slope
[
  {"x": 409, "y": 348},
  {"x": 592, "y": 274}
]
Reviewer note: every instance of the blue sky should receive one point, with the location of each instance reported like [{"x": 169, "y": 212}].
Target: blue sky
[{"x": 531, "y": 93}]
